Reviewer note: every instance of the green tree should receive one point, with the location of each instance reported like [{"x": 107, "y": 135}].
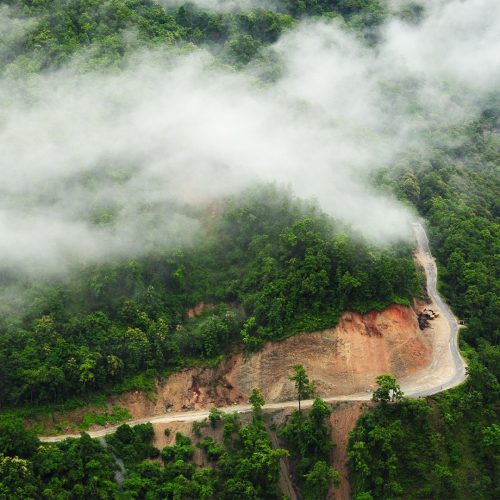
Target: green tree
[
  {"x": 388, "y": 389},
  {"x": 319, "y": 479},
  {"x": 309, "y": 441},
  {"x": 304, "y": 387},
  {"x": 257, "y": 401},
  {"x": 15, "y": 439},
  {"x": 17, "y": 479},
  {"x": 215, "y": 415}
]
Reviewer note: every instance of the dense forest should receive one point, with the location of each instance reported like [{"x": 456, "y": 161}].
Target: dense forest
[
  {"x": 272, "y": 265},
  {"x": 269, "y": 265},
  {"x": 449, "y": 444},
  {"x": 99, "y": 30}
]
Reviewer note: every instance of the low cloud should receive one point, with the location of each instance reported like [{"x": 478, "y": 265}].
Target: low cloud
[
  {"x": 224, "y": 5},
  {"x": 12, "y": 29},
  {"x": 97, "y": 165}
]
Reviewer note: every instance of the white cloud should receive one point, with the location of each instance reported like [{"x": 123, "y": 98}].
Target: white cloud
[
  {"x": 223, "y": 5},
  {"x": 173, "y": 130}
]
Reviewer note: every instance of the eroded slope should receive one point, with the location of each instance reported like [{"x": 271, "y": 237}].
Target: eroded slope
[{"x": 342, "y": 360}]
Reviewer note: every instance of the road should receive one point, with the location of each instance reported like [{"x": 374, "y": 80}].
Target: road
[
  {"x": 428, "y": 262},
  {"x": 446, "y": 369}
]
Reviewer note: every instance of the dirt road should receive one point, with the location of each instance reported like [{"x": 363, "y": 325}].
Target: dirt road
[{"x": 446, "y": 369}]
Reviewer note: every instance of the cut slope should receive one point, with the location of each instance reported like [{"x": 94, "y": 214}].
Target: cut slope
[{"x": 341, "y": 361}]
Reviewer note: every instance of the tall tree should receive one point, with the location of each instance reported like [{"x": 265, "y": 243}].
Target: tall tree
[
  {"x": 257, "y": 401},
  {"x": 304, "y": 387}
]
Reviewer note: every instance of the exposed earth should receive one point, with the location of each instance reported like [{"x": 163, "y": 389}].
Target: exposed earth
[{"x": 341, "y": 361}]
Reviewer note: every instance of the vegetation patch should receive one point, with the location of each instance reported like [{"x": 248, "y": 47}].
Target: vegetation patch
[{"x": 115, "y": 416}]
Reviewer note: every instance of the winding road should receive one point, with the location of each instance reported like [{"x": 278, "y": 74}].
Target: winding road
[
  {"x": 457, "y": 363},
  {"x": 446, "y": 369}
]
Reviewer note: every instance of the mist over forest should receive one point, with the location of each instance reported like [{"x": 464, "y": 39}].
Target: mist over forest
[
  {"x": 318, "y": 111},
  {"x": 189, "y": 189}
]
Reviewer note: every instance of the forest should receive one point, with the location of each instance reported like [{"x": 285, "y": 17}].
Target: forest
[
  {"x": 269, "y": 264},
  {"x": 449, "y": 444},
  {"x": 98, "y": 29}
]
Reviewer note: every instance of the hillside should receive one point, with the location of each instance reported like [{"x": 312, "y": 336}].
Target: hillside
[
  {"x": 208, "y": 211},
  {"x": 273, "y": 269}
]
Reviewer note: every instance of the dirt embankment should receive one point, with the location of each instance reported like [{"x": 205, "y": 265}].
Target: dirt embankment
[
  {"x": 199, "y": 309},
  {"x": 342, "y": 360},
  {"x": 342, "y": 421}
]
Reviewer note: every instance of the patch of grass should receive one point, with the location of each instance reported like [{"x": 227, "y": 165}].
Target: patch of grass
[
  {"x": 52, "y": 420},
  {"x": 402, "y": 301},
  {"x": 49, "y": 411},
  {"x": 144, "y": 382},
  {"x": 117, "y": 415},
  {"x": 197, "y": 362}
]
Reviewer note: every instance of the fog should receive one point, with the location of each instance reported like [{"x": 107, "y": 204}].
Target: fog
[
  {"x": 106, "y": 164},
  {"x": 223, "y": 5}
]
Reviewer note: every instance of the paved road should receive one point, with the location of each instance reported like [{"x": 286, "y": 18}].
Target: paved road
[{"x": 414, "y": 390}]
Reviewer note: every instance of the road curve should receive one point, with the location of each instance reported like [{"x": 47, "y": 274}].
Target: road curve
[
  {"x": 429, "y": 264},
  {"x": 414, "y": 386}
]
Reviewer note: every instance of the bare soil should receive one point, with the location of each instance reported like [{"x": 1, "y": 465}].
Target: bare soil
[
  {"x": 343, "y": 360},
  {"x": 342, "y": 421},
  {"x": 199, "y": 309}
]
